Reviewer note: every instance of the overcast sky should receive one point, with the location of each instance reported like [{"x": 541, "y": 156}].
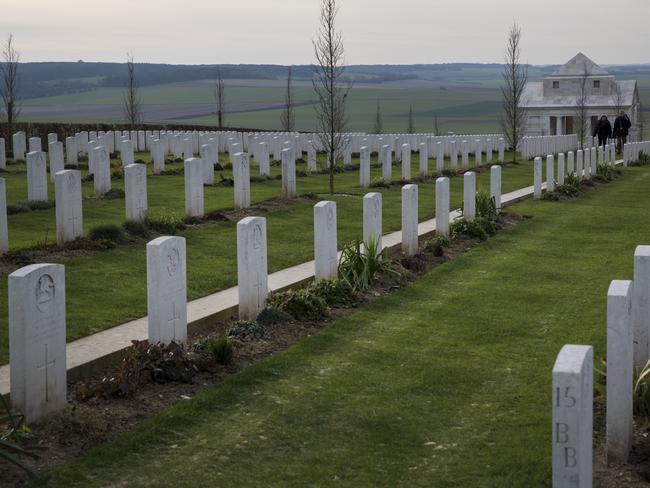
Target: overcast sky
[{"x": 280, "y": 31}]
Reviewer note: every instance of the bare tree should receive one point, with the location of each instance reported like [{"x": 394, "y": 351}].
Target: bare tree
[
  {"x": 288, "y": 118},
  {"x": 328, "y": 85},
  {"x": 436, "y": 129},
  {"x": 132, "y": 101},
  {"x": 220, "y": 98},
  {"x": 581, "y": 116},
  {"x": 410, "y": 128},
  {"x": 618, "y": 98},
  {"x": 379, "y": 121},
  {"x": 515, "y": 76},
  {"x": 9, "y": 73}
]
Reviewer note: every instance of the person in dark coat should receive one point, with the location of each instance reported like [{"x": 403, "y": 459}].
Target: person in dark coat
[
  {"x": 603, "y": 130},
  {"x": 622, "y": 126}
]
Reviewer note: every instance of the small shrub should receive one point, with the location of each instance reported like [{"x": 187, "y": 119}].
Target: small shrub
[
  {"x": 437, "y": 245},
  {"x": 362, "y": 264},
  {"x": 165, "y": 223},
  {"x": 566, "y": 190},
  {"x": 227, "y": 165},
  {"x": 140, "y": 161},
  {"x": 604, "y": 172},
  {"x": 301, "y": 304},
  {"x": 173, "y": 172},
  {"x": 449, "y": 173},
  {"x": 114, "y": 194},
  {"x": 273, "y": 316},
  {"x": 179, "y": 160},
  {"x": 468, "y": 227},
  {"x": 259, "y": 178},
  {"x": 218, "y": 167},
  {"x": 117, "y": 173},
  {"x": 225, "y": 181},
  {"x": 248, "y": 331},
  {"x": 641, "y": 395},
  {"x": 572, "y": 180},
  {"x": 108, "y": 232},
  {"x": 136, "y": 228},
  {"x": 485, "y": 206},
  {"x": 379, "y": 183},
  {"x": 644, "y": 158},
  {"x": 16, "y": 208},
  {"x": 39, "y": 204},
  {"x": 336, "y": 293},
  {"x": 222, "y": 350}
]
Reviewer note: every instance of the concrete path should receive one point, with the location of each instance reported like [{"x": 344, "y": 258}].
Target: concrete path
[{"x": 92, "y": 353}]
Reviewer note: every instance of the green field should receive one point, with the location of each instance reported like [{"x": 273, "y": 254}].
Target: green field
[
  {"x": 446, "y": 383},
  {"x": 113, "y": 283}
]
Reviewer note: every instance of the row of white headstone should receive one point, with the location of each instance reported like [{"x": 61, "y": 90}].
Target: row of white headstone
[
  {"x": 37, "y": 319},
  {"x": 533, "y": 146},
  {"x": 628, "y": 348},
  {"x": 632, "y": 151}
]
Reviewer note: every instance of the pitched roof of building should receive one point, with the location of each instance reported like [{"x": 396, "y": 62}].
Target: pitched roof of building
[
  {"x": 578, "y": 66},
  {"x": 533, "y": 97}
]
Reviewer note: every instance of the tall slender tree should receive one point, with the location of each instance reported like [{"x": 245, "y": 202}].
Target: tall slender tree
[
  {"x": 288, "y": 118},
  {"x": 410, "y": 128},
  {"x": 9, "y": 87},
  {"x": 379, "y": 121},
  {"x": 436, "y": 129},
  {"x": 515, "y": 76},
  {"x": 220, "y": 98},
  {"x": 132, "y": 101},
  {"x": 329, "y": 87},
  {"x": 581, "y": 115}
]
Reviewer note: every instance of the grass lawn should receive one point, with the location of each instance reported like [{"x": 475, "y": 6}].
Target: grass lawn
[
  {"x": 445, "y": 383},
  {"x": 108, "y": 288}
]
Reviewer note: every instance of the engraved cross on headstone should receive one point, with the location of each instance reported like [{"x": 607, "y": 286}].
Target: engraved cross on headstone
[
  {"x": 46, "y": 366},
  {"x": 176, "y": 316}
]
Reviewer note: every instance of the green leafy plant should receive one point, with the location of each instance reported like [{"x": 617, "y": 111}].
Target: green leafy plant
[
  {"x": 437, "y": 245},
  {"x": 644, "y": 158},
  {"x": 108, "y": 232},
  {"x": 137, "y": 228},
  {"x": 486, "y": 206},
  {"x": 379, "y": 183},
  {"x": 222, "y": 350},
  {"x": 475, "y": 228},
  {"x": 362, "y": 263},
  {"x": 13, "y": 426},
  {"x": 165, "y": 222},
  {"x": 336, "y": 293},
  {"x": 114, "y": 194},
  {"x": 301, "y": 304},
  {"x": 248, "y": 331},
  {"x": 641, "y": 395},
  {"x": 604, "y": 172},
  {"x": 273, "y": 316}
]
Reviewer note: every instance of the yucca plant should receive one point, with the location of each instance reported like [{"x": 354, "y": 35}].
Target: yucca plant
[
  {"x": 9, "y": 450},
  {"x": 642, "y": 391},
  {"x": 362, "y": 263},
  {"x": 485, "y": 206}
]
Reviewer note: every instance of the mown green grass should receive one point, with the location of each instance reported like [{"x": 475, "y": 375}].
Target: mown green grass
[
  {"x": 445, "y": 383},
  {"x": 108, "y": 288}
]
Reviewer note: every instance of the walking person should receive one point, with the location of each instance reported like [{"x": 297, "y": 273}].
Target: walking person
[
  {"x": 603, "y": 130},
  {"x": 622, "y": 126}
]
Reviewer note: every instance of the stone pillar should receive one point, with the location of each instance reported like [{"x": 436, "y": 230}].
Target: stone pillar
[
  {"x": 440, "y": 157},
  {"x": 167, "y": 290},
  {"x": 558, "y": 126},
  {"x": 36, "y": 177},
  {"x": 69, "y": 213},
  {"x": 442, "y": 206},
  {"x": 242, "y": 179},
  {"x": 18, "y": 146},
  {"x": 252, "y": 267},
  {"x": 464, "y": 149},
  {"x": 550, "y": 173},
  {"x": 410, "y": 220},
  {"x": 37, "y": 340},
  {"x": 537, "y": 183},
  {"x": 620, "y": 372},
  {"x": 469, "y": 195},
  {"x": 495, "y": 186},
  {"x": 406, "y": 162},
  {"x": 194, "y": 204},
  {"x": 372, "y": 219},
  {"x": 364, "y": 167},
  {"x": 135, "y": 188},
  {"x": 288, "y": 174},
  {"x": 573, "y": 378},
  {"x": 102, "y": 170},
  {"x": 4, "y": 230},
  {"x": 424, "y": 159},
  {"x": 325, "y": 241}
]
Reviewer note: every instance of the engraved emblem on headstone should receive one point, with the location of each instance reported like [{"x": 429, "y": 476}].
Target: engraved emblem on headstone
[
  {"x": 257, "y": 236},
  {"x": 330, "y": 218},
  {"x": 173, "y": 262},
  {"x": 44, "y": 292}
]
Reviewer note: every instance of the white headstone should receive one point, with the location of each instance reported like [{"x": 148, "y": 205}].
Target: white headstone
[
  {"x": 440, "y": 156},
  {"x": 579, "y": 164},
  {"x": 126, "y": 152},
  {"x": 311, "y": 159},
  {"x": 560, "y": 169},
  {"x": 478, "y": 153},
  {"x": 36, "y": 176},
  {"x": 442, "y": 206},
  {"x": 424, "y": 159},
  {"x": 573, "y": 417},
  {"x": 502, "y": 149},
  {"x": 325, "y": 241},
  {"x": 387, "y": 163},
  {"x": 469, "y": 195},
  {"x": 4, "y": 231},
  {"x": 406, "y": 162},
  {"x": 102, "y": 170},
  {"x": 135, "y": 189},
  {"x": 194, "y": 204},
  {"x": 264, "y": 163},
  {"x": 69, "y": 214},
  {"x": 19, "y": 146},
  {"x": 570, "y": 163},
  {"x": 641, "y": 306},
  {"x": 252, "y": 269},
  {"x": 550, "y": 173},
  {"x": 364, "y": 167},
  {"x": 37, "y": 339},
  {"x": 372, "y": 219},
  {"x": 167, "y": 290},
  {"x": 3, "y": 154},
  {"x": 464, "y": 149},
  {"x": 158, "y": 156},
  {"x": 242, "y": 180},
  {"x": 410, "y": 244},
  {"x": 537, "y": 179},
  {"x": 55, "y": 154},
  {"x": 288, "y": 174},
  {"x": 209, "y": 158},
  {"x": 35, "y": 144},
  {"x": 619, "y": 371},
  {"x": 71, "y": 153},
  {"x": 495, "y": 185}
]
